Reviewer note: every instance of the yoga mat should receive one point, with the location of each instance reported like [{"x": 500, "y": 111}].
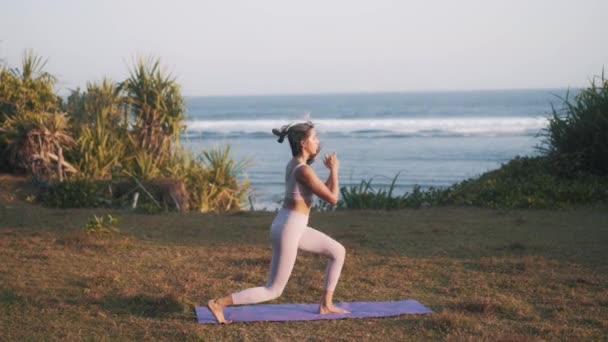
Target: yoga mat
[{"x": 308, "y": 312}]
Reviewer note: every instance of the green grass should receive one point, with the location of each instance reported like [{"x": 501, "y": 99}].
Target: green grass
[{"x": 488, "y": 274}]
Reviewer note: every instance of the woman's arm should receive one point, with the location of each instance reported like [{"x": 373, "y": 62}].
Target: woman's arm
[
  {"x": 307, "y": 176},
  {"x": 328, "y": 191},
  {"x": 332, "y": 183},
  {"x": 330, "y": 179}
]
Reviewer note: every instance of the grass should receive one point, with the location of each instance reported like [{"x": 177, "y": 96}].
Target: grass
[
  {"x": 488, "y": 274},
  {"x": 522, "y": 182}
]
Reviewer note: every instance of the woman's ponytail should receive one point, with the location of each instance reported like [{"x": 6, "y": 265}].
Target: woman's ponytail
[{"x": 281, "y": 133}]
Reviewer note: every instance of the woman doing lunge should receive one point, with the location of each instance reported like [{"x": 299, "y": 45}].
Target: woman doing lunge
[{"x": 289, "y": 230}]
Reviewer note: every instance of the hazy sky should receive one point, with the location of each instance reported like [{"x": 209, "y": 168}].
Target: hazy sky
[{"x": 228, "y": 47}]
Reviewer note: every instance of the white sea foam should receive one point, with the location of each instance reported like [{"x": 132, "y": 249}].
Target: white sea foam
[{"x": 383, "y": 127}]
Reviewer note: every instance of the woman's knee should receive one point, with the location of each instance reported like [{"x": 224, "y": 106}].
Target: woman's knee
[
  {"x": 339, "y": 252},
  {"x": 274, "y": 292}
]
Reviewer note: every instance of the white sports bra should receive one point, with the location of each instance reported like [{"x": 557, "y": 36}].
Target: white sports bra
[{"x": 294, "y": 189}]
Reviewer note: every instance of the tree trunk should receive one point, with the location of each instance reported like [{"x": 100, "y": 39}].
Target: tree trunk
[{"x": 59, "y": 163}]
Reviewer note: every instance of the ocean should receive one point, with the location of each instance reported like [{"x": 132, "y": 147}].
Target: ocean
[{"x": 428, "y": 138}]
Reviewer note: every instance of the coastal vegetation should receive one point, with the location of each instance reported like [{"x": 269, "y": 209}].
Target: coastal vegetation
[
  {"x": 104, "y": 144},
  {"x": 523, "y": 182}
]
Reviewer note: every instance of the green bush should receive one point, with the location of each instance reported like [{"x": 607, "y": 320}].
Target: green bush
[
  {"x": 211, "y": 179},
  {"x": 35, "y": 141},
  {"x": 29, "y": 89},
  {"x": 153, "y": 102},
  {"x": 129, "y": 129},
  {"x": 148, "y": 208},
  {"x": 77, "y": 193},
  {"x": 576, "y": 140},
  {"x": 99, "y": 125},
  {"x": 27, "y": 98},
  {"x": 528, "y": 182},
  {"x": 101, "y": 225},
  {"x": 363, "y": 196}
]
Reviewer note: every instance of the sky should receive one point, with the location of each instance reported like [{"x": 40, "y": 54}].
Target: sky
[{"x": 229, "y": 47}]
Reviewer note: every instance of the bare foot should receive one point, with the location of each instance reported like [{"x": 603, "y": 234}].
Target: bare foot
[
  {"x": 331, "y": 308},
  {"x": 218, "y": 311}
]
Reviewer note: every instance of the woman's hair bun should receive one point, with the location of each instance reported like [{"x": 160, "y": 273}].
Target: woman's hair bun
[{"x": 281, "y": 133}]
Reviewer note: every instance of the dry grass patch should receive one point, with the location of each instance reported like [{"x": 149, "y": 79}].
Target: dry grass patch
[{"x": 59, "y": 283}]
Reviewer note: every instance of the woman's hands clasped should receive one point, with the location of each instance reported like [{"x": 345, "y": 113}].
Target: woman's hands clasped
[{"x": 331, "y": 162}]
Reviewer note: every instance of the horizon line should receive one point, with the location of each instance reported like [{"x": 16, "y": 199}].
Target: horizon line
[{"x": 372, "y": 92}]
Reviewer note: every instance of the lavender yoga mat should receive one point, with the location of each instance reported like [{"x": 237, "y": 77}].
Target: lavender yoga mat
[{"x": 308, "y": 312}]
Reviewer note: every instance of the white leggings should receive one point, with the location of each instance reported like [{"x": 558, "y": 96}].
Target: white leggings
[{"x": 288, "y": 233}]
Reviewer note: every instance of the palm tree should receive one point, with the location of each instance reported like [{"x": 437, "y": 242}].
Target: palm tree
[
  {"x": 101, "y": 133},
  {"x": 33, "y": 134},
  {"x": 156, "y": 108},
  {"x": 28, "y": 89},
  {"x": 35, "y": 143}
]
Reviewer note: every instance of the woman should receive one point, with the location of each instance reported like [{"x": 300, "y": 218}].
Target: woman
[{"x": 289, "y": 230}]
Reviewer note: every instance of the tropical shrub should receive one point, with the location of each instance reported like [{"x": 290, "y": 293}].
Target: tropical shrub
[
  {"x": 528, "y": 182},
  {"x": 576, "y": 140},
  {"x": 102, "y": 225},
  {"x": 23, "y": 92},
  {"x": 74, "y": 193},
  {"x": 112, "y": 133},
  {"x": 34, "y": 142},
  {"x": 29, "y": 89},
  {"x": 211, "y": 179},
  {"x": 224, "y": 191},
  {"x": 98, "y": 122},
  {"x": 154, "y": 103}
]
